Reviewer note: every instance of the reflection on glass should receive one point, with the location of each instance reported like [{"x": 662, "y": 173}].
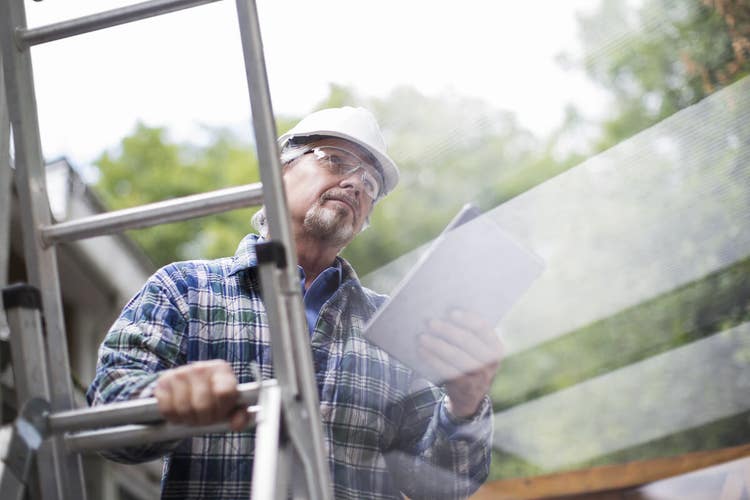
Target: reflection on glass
[
  {"x": 635, "y": 342},
  {"x": 682, "y": 389}
]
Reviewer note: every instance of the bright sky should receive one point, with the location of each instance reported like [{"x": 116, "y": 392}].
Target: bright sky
[{"x": 185, "y": 69}]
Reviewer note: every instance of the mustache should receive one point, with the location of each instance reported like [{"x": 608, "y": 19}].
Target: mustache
[{"x": 341, "y": 195}]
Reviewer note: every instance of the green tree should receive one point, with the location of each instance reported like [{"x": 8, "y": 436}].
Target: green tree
[
  {"x": 451, "y": 150},
  {"x": 149, "y": 167},
  {"x": 656, "y": 60},
  {"x": 663, "y": 57}
]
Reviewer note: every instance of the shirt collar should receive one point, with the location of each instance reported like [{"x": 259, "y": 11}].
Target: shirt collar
[
  {"x": 333, "y": 272},
  {"x": 245, "y": 258}
]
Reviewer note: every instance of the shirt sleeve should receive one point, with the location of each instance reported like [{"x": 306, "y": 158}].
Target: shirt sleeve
[
  {"x": 439, "y": 456},
  {"x": 148, "y": 337}
]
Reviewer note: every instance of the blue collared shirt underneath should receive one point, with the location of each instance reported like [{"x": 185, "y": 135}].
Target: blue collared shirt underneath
[{"x": 322, "y": 288}]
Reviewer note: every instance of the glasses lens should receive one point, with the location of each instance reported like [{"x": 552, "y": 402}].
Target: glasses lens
[
  {"x": 342, "y": 163},
  {"x": 371, "y": 185}
]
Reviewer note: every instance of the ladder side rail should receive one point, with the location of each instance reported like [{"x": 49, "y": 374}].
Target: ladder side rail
[
  {"x": 152, "y": 214},
  {"x": 41, "y": 264},
  {"x": 13, "y": 487},
  {"x": 135, "y": 411},
  {"x": 270, "y": 259},
  {"x": 304, "y": 424},
  {"x": 266, "y": 458},
  {"x": 16, "y": 468},
  {"x": 5, "y": 187},
  {"x": 22, "y": 306},
  {"x": 94, "y": 22},
  {"x": 283, "y": 465},
  {"x": 264, "y": 128},
  {"x": 6, "y": 194},
  {"x": 301, "y": 413}
]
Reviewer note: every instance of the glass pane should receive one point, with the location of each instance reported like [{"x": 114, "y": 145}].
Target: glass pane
[{"x": 635, "y": 341}]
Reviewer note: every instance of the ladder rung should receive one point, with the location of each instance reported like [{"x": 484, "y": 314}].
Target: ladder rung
[
  {"x": 137, "y": 411},
  {"x": 135, "y": 435},
  {"x": 177, "y": 209},
  {"x": 106, "y": 19}
]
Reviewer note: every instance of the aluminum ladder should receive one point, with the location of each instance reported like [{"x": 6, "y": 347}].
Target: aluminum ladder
[{"x": 60, "y": 471}]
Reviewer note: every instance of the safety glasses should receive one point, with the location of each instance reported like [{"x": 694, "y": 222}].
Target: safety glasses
[{"x": 342, "y": 163}]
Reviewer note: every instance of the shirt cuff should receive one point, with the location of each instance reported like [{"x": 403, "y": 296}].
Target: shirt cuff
[{"x": 470, "y": 426}]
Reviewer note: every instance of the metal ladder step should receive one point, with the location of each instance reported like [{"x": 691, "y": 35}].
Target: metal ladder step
[
  {"x": 101, "y": 20},
  {"x": 138, "y": 422},
  {"x": 63, "y": 478},
  {"x": 152, "y": 214},
  {"x": 136, "y": 411}
]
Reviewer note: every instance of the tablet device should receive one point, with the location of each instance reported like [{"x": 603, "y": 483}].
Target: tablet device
[{"x": 475, "y": 267}]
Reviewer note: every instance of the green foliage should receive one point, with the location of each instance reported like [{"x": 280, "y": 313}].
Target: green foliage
[
  {"x": 505, "y": 465},
  {"x": 721, "y": 433},
  {"x": 440, "y": 170},
  {"x": 655, "y": 61},
  {"x": 662, "y": 58},
  {"x": 451, "y": 150},
  {"x": 148, "y": 167},
  {"x": 694, "y": 311}
]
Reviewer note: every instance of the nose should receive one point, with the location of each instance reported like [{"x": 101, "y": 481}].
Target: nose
[{"x": 353, "y": 182}]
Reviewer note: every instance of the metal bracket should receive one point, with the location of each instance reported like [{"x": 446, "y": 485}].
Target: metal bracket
[{"x": 271, "y": 251}]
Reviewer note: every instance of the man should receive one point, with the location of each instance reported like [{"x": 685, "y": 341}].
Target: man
[{"x": 193, "y": 332}]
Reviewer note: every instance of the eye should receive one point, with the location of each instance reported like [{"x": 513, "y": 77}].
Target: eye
[
  {"x": 335, "y": 159},
  {"x": 338, "y": 164}
]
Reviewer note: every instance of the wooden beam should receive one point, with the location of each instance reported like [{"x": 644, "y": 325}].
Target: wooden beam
[{"x": 606, "y": 477}]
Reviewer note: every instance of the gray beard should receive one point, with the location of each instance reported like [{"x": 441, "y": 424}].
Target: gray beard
[{"x": 329, "y": 225}]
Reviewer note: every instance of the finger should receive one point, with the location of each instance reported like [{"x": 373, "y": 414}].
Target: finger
[
  {"x": 164, "y": 400},
  {"x": 239, "y": 419},
  {"x": 450, "y": 360},
  {"x": 202, "y": 399},
  {"x": 470, "y": 320},
  {"x": 466, "y": 340},
  {"x": 478, "y": 325},
  {"x": 181, "y": 401},
  {"x": 224, "y": 390},
  {"x": 214, "y": 365},
  {"x": 441, "y": 368},
  {"x": 459, "y": 357}
]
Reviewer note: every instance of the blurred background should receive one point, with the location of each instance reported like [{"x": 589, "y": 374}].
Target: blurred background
[{"x": 610, "y": 137}]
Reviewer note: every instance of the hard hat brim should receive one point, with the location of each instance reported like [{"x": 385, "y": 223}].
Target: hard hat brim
[{"x": 389, "y": 169}]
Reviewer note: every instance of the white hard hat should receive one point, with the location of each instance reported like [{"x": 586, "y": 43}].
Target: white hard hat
[{"x": 353, "y": 124}]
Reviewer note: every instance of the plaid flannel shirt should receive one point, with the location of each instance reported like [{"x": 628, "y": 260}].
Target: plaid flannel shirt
[{"x": 386, "y": 431}]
